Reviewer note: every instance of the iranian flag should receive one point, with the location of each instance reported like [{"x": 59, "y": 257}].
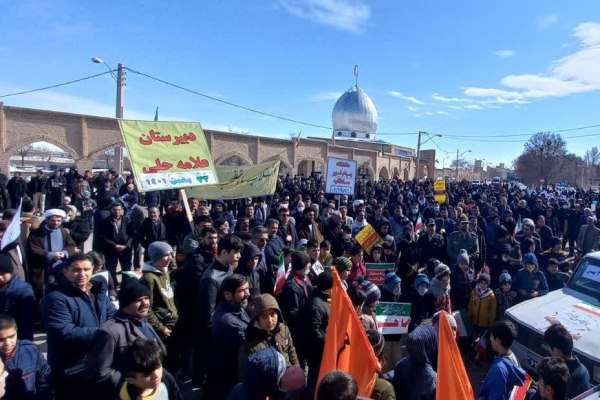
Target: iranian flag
[
  {"x": 281, "y": 275},
  {"x": 519, "y": 225},
  {"x": 419, "y": 225},
  {"x": 520, "y": 392}
]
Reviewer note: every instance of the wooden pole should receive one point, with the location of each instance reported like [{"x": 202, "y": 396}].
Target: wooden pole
[{"x": 186, "y": 205}]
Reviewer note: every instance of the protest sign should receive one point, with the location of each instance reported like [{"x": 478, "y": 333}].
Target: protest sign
[
  {"x": 367, "y": 237},
  {"x": 341, "y": 176},
  {"x": 168, "y": 155},
  {"x": 439, "y": 185},
  {"x": 393, "y": 318},
  {"x": 240, "y": 182},
  {"x": 376, "y": 271}
]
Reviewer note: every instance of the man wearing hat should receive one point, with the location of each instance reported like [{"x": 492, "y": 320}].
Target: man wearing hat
[
  {"x": 104, "y": 363},
  {"x": 155, "y": 274},
  {"x": 16, "y": 298},
  {"x": 343, "y": 265},
  {"x": 462, "y": 239},
  {"x": 47, "y": 247}
]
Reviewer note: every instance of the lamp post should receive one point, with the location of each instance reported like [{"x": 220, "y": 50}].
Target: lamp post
[
  {"x": 119, "y": 107},
  {"x": 419, "y": 143}
]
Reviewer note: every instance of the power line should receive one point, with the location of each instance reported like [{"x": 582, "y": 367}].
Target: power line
[
  {"x": 229, "y": 103},
  {"x": 85, "y": 78}
]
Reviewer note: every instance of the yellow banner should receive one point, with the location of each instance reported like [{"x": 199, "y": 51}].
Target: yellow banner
[
  {"x": 441, "y": 198},
  {"x": 367, "y": 237},
  {"x": 240, "y": 182},
  {"x": 439, "y": 185},
  {"x": 168, "y": 155}
]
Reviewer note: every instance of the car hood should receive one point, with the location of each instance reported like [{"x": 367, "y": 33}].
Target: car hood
[{"x": 581, "y": 318}]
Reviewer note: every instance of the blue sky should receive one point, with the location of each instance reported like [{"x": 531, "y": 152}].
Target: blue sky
[{"x": 459, "y": 68}]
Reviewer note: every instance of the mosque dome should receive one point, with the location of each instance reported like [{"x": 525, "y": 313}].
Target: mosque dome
[{"x": 354, "y": 115}]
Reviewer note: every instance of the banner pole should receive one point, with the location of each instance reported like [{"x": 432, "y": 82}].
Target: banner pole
[{"x": 186, "y": 205}]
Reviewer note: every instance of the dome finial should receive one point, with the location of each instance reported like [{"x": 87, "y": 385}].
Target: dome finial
[{"x": 356, "y": 74}]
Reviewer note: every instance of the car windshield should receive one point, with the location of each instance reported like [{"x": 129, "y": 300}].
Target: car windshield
[{"x": 587, "y": 278}]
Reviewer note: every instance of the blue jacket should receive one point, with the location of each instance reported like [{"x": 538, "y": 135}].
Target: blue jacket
[
  {"x": 261, "y": 377},
  {"x": 18, "y": 301},
  {"x": 28, "y": 373},
  {"x": 527, "y": 282},
  {"x": 502, "y": 376},
  {"x": 71, "y": 320}
]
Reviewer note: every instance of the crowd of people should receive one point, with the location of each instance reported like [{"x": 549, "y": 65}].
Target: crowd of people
[{"x": 135, "y": 298}]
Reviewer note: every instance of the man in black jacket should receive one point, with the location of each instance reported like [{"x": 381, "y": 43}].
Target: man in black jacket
[
  {"x": 152, "y": 230},
  {"x": 116, "y": 241},
  {"x": 229, "y": 332},
  {"x": 228, "y": 256},
  {"x": 104, "y": 364}
]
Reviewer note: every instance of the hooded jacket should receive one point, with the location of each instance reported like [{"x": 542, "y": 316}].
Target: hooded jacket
[
  {"x": 528, "y": 282},
  {"x": 17, "y": 300},
  {"x": 262, "y": 377},
  {"x": 28, "y": 374},
  {"x": 258, "y": 339},
  {"x": 502, "y": 376},
  {"x": 163, "y": 312},
  {"x": 442, "y": 295},
  {"x": 248, "y": 253}
]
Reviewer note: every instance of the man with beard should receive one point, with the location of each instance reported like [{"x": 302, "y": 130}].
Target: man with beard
[
  {"x": 104, "y": 363},
  {"x": 229, "y": 332},
  {"x": 272, "y": 247}
]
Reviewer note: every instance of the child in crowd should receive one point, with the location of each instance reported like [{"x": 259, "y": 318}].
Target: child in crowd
[
  {"x": 530, "y": 282},
  {"x": 145, "y": 377},
  {"x": 325, "y": 258},
  {"x": 100, "y": 273},
  {"x": 482, "y": 305},
  {"x": 392, "y": 288},
  {"x": 422, "y": 300},
  {"x": 505, "y": 296},
  {"x": 556, "y": 279},
  {"x": 440, "y": 288},
  {"x": 267, "y": 329}
]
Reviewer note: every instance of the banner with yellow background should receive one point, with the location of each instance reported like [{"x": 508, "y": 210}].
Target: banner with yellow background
[
  {"x": 240, "y": 182},
  {"x": 168, "y": 155}
]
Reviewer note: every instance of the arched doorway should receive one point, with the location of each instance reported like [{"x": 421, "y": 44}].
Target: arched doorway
[
  {"x": 383, "y": 173},
  {"x": 40, "y": 155},
  {"x": 396, "y": 173},
  {"x": 233, "y": 160},
  {"x": 308, "y": 167},
  {"x": 406, "y": 175}
]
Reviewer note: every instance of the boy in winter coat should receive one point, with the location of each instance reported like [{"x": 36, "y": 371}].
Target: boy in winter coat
[
  {"x": 422, "y": 300},
  {"x": 461, "y": 281},
  {"x": 267, "y": 329},
  {"x": 440, "y": 288},
  {"x": 530, "y": 282},
  {"x": 505, "y": 296},
  {"x": 482, "y": 306}
]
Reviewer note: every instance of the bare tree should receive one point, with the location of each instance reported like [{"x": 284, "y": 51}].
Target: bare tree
[{"x": 23, "y": 152}]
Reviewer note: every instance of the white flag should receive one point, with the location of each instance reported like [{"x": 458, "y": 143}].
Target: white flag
[{"x": 13, "y": 232}]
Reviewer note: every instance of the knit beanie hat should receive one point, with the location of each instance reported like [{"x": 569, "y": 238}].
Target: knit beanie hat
[
  {"x": 484, "y": 277},
  {"x": 131, "y": 290},
  {"x": 504, "y": 278},
  {"x": 441, "y": 269},
  {"x": 6, "y": 266},
  {"x": 421, "y": 279},
  {"x": 299, "y": 260},
  {"x": 157, "y": 250},
  {"x": 342, "y": 264},
  {"x": 530, "y": 258},
  {"x": 391, "y": 280},
  {"x": 463, "y": 257},
  {"x": 370, "y": 290}
]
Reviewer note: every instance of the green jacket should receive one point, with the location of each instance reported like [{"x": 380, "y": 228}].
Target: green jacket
[
  {"x": 462, "y": 240},
  {"x": 163, "y": 312}
]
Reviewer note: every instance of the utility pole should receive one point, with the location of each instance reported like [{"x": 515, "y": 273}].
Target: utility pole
[
  {"x": 119, "y": 112},
  {"x": 418, "y": 174},
  {"x": 456, "y": 165}
]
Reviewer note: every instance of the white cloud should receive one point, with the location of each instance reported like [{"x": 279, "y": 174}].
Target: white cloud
[
  {"x": 400, "y": 95},
  {"x": 547, "y": 21},
  {"x": 445, "y": 99},
  {"x": 473, "y": 107},
  {"x": 348, "y": 15},
  {"x": 575, "y": 73},
  {"x": 442, "y": 113},
  {"x": 413, "y": 109},
  {"x": 504, "y": 53},
  {"x": 458, "y": 108},
  {"x": 325, "y": 96}
]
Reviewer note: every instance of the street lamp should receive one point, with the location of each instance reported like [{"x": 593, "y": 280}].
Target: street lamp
[
  {"x": 457, "y": 157},
  {"x": 419, "y": 143},
  {"x": 120, "y": 79}
]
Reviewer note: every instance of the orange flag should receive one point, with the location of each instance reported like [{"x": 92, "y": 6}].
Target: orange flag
[
  {"x": 347, "y": 347},
  {"x": 452, "y": 379}
]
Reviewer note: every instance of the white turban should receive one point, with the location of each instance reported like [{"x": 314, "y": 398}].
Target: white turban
[{"x": 55, "y": 212}]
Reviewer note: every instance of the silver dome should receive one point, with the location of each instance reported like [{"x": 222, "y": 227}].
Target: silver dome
[{"x": 355, "y": 112}]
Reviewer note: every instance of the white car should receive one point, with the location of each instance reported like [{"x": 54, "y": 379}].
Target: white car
[{"x": 577, "y": 307}]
